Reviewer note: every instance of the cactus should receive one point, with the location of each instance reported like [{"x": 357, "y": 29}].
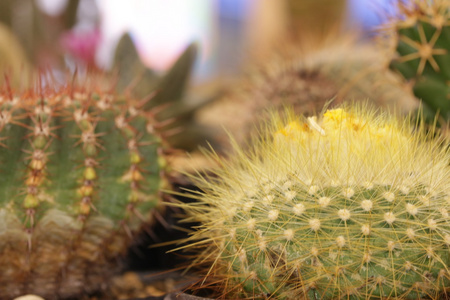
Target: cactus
[
  {"x": 351, "y": 205},
  {"x": 306, "y": 79},
  {"x": 81, "y": 170},
  {"x": 423, "y": 53}
]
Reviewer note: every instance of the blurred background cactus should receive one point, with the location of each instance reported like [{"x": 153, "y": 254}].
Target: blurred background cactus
[
  {"x": 347, "y": 205},
  {"x": 306, "y": 76},
  {"x": 422, "y": 43}
]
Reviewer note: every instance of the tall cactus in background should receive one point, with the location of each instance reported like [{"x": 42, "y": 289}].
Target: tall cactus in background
[
  {"x": 423, "y": 49},
  {"x": 81, "y": 172},
  {"x": 350, "y": 205}
]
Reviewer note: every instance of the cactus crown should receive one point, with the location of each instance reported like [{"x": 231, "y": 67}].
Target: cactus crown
[
  {"x": 350, "y": 205},
  {"x": 423, "y": 48}
]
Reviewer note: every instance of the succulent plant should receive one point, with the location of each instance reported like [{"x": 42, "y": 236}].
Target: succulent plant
[
  {"x": 423, "y": 52},
  {"x": 350, "y": 205},
  {"x": 306, "y": 79},
  {"x": 170, "y": 90},
  {"x": 81, "y": 172}
]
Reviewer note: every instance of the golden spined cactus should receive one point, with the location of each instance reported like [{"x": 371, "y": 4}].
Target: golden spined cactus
[
  {"x": 81, "y": 171},
  {"x": 347, "y": 205}
]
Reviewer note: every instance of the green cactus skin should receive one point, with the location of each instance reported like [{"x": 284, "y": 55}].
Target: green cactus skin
[
  {"x": 423, "y": 48},
  {"x": 81, "y": 170},
  {"x": 350, "y": 206}
]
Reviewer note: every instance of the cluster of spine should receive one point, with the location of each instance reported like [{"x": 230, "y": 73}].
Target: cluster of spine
[
  {"x": 348, "y": 206},
  {"x": 423, "y": 48},
  {"x": 80, "y": 174},
  {"x": 134, "y": 175}
]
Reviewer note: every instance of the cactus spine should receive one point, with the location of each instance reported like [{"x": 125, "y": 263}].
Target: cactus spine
[
  {"x": 80, "y": 174},
  {"x": 350, "y": 205},
  {"x": 423, "y": 49}
]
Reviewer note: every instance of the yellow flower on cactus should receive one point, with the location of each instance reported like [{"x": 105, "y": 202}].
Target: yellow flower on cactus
[{"x": 351, "y": 204}]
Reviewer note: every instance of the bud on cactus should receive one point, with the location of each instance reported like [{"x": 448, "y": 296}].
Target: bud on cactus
[
  {"x": 423, "y": 48},
  {"x": 350, "y": 205},
  {"x": 80, "y": 174}
]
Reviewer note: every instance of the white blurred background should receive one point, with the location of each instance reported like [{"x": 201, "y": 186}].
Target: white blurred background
[{"x": 228, "y": 31}]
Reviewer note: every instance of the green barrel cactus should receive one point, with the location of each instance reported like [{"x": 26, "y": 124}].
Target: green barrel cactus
[
  {"x": 423, "y": 53},
  {"x": 81, "y": 169},
  {"x": 350, "y": 205}
]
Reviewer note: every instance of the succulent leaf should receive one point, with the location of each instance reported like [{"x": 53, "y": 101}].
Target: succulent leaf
[
  {"x": 169, "y": 91},
  {"x": 171, "y": 87},
  {"x": 130, "y": 67}
]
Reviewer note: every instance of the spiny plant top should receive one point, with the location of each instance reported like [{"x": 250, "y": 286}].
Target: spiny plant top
[
  {"x": 352, "y": 205},
  {"x": 80, "y": 171},
  {"x": 423, "y": 48}
]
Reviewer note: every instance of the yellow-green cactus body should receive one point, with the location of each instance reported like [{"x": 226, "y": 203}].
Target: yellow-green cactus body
[
  {"x": 79, "y": 175},
  {"x": 347, "y": 206}
]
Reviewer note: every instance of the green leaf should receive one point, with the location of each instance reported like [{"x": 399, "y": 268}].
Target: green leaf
[
  {"x": 130, "y": 68},
  {"x": 172, "y": 86}
]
